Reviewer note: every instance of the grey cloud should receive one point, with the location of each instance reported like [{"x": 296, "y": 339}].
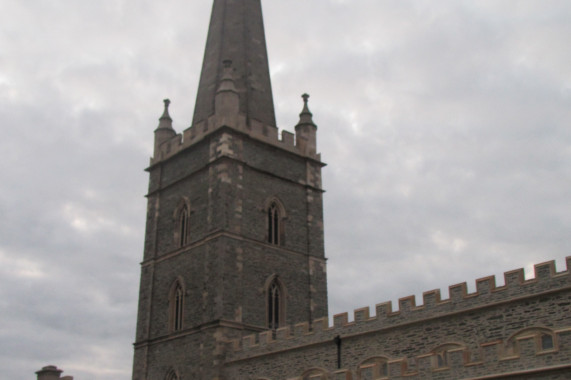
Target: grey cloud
[{"x": 444, "y": 126}]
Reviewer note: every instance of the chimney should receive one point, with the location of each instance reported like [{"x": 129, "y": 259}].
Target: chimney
[{"x": 51, "y": 372}]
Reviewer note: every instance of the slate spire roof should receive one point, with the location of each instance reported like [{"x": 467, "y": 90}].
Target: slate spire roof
[{"x": 236, "y": 34}]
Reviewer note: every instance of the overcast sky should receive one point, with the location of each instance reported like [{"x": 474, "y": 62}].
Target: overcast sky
[{"x": 445, "y": 126}]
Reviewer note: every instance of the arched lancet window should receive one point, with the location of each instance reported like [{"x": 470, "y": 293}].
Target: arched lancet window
[
  {"x": 182, "y": 223},
  {"x": 275, "y": 304},
  {"x": 274, "y": 224},
  {"x": 183, "y": 226},
  {"x": 274, "y": 299},
  {"x": 275, "y": 215},
  {"x": 547, "y": 342},
  {"x": 176, "y": 306}
]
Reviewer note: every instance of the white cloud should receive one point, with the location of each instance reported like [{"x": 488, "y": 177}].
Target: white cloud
[
  {"x": 16, "y": 268},
  {"x": 447, "y": 243}
]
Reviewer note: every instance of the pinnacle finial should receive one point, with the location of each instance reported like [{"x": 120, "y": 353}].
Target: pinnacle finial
[
  {"x": 166, "y": 115},
  {"x": 305, "y": 117},
  {"x": 165, "y": 121},
  {"x": 305, "y": 110},
  {"x": 305, "y": 139}
]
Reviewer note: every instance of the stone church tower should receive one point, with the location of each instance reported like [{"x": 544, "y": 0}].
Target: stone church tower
[{"x": 234, "y": 230}]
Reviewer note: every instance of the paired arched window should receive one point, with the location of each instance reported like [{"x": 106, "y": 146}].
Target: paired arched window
[
  {"x": 176, "y": 306},
  {"x": 441, "y": 354},
  {"x": 182, "y": 223},
  {"x": 315, "y": 373},
  {"x": 544, "y": 339},
  {"x": 275, "y": 215},
  {"x": 275, "y": 304},
  {"x": 373, "y": 368}
]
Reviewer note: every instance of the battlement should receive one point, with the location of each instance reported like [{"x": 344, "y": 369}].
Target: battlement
[
  {"x": 547, "y": 280},
  {"x": 254, "y": 129}
]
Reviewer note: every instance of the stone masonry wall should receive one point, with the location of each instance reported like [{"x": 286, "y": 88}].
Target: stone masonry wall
[{"x": 485, "y": 330}]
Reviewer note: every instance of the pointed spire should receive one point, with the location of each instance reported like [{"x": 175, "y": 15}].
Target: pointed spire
[
  {"x": 236, "y": 33},
  {"x": 305, "y": 117}
]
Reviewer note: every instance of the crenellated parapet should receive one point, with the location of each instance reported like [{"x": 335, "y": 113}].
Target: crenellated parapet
[
  {"x": 227, "y": 115},
  {"x": 409, "y": 313},
  {"x": 255, "y": 130}
]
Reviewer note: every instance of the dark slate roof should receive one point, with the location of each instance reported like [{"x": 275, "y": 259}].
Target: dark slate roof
[{"x": 236, "y": 33}]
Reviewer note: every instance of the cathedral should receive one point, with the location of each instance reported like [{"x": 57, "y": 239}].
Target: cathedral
[{"x": 233, "y": 278}]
